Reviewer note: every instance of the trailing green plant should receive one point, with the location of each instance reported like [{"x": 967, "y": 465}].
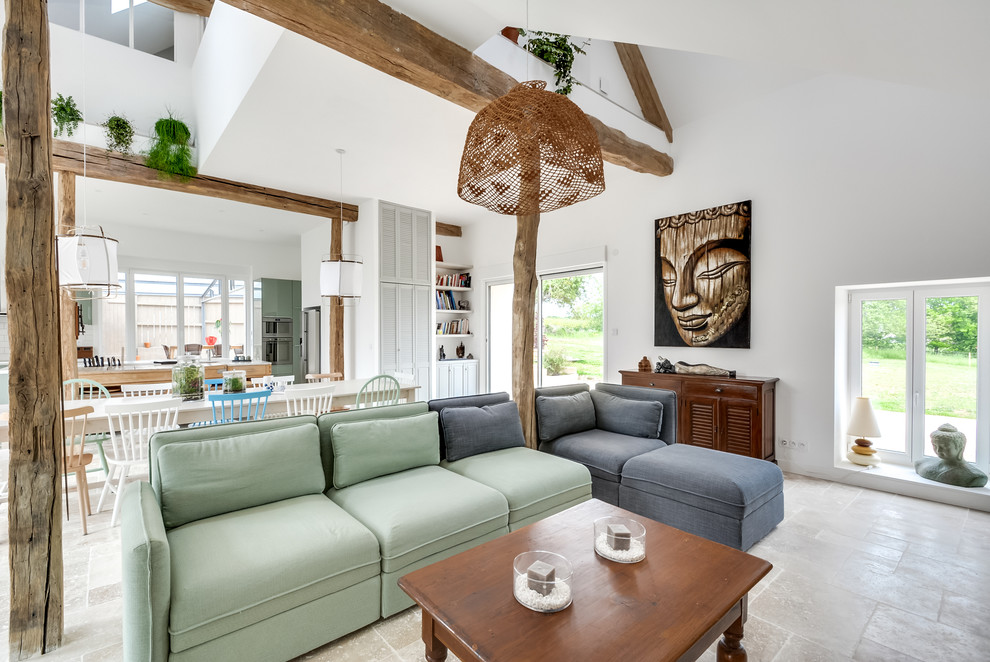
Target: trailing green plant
[
  {"x": 65, "y": 115},
  {"x": 558, "y": 51},
  {"x": 120, "y": 133},
  {"x": 170, "y": 153}
]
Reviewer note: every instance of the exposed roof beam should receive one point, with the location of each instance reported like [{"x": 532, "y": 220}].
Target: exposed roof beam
[
  {"x": 643, "y": 87},
  {"x": 375, "y": 34},
  {"x": 102, "y": 164},
  {"x": 448, "y": 230},
  {"x": 200, "y": 7}
]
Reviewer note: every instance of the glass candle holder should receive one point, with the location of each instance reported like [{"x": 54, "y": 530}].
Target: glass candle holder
[
  {"x": 620, "y": 539},
  {"x": 233, "y": 381},
  {"x": 541, "y": 581}
]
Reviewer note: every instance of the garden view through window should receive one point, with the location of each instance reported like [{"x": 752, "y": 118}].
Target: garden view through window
[{"x": 917, "y": 356}]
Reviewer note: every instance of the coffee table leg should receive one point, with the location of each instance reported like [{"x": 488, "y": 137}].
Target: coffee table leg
[
  {"x": 435, "y": 650},
  {"x": 730, "y": 648}
]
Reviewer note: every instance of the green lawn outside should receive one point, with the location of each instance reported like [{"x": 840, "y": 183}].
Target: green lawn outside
[
  {"x": 951, "y": 385},
  {"x": 583, "y": 349}
]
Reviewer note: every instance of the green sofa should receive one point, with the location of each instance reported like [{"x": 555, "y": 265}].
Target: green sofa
[{"x": 261, "y": 541}]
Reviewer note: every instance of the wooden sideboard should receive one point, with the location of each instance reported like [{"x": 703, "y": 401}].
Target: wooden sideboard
[{"x": 732, "y": 414}]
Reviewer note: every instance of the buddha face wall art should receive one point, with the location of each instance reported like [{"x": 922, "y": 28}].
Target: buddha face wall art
[{"x": 702, "y": 277}]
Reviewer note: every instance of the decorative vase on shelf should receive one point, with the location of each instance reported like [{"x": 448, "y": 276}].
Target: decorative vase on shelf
[{"x": 187, "y": 379}]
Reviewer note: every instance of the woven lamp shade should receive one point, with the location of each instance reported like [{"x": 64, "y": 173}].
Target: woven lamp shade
[{"x": 530, "y": 151}]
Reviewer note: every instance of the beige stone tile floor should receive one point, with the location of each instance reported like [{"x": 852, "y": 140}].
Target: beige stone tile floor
[{"x": 858, "y": 575}]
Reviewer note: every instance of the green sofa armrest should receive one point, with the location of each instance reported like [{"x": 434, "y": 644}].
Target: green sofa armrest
[{"x": 147, "y": 576}]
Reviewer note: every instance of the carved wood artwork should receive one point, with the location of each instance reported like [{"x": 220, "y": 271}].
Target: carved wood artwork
[{"x": 702, "y": 278}]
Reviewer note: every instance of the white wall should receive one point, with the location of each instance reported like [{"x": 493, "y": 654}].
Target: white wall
[
  {"x": 361, "y": 337},
  {"x": 852, "y": 181},
  {"x": 105, "y": 78}
]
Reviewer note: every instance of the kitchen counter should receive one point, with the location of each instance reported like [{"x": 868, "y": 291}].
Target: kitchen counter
[{"x": 149, "y": 372}]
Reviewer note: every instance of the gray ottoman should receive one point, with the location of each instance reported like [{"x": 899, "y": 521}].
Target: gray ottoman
[{"x": 731, "y": 499}]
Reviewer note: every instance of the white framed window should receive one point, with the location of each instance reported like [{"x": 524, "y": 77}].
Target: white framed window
[{"x": 921, "y": 354}]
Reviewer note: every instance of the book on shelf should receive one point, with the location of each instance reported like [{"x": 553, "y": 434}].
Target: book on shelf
[
  {"x": 453, "y": 327},
  {"x": 454, "y": 280}
]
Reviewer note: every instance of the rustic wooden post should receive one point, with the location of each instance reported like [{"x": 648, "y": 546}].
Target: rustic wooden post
[
  {"x": 336, "y": 329},
  {"x": 67, "y": 221},
  {"x": 523, "y": 331},
  {"x": 35, "y": 432}
]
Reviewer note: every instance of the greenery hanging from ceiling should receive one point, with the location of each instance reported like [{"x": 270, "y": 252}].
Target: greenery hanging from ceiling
[
  {"x": 558, "y": 51},
  {"x": 120, "y": 133},
  {"x": 170, "y": 153},
  {"x": 65, "y": 115}
]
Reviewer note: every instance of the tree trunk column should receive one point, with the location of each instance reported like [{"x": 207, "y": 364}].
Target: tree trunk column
[
  {"x": 523, "y": 332},
  {"x": 35, "y": 427},
  {"x": 67, "y": 222}
]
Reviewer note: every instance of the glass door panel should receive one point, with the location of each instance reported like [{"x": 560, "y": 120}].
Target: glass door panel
[
  {"x": 884, "y": 375},
  {"x": 500, "y": 337},
  {"x": 950, "y": 368},
  {"x": 109, "y": 320},
  {"x": 236, "y": 324},
  {"x": 572, "y": 347},
  {"x": 202, "y": 314},
  {"x": 155, "y": 297}
]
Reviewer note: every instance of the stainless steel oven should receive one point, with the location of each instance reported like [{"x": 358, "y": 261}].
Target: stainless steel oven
[
  {"x": 278, "y": 351},
  {"x": 276, "y": 327}
]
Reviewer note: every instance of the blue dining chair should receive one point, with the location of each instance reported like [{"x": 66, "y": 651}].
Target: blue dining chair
[
  {"x": 213, "y": 385},
  {"x": 235, "y": 407}
]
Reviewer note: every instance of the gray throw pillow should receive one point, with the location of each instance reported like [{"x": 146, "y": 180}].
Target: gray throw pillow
[
  {"x": 636, "y": 418},
  {"x": 470, "y": 431},
  {"x": 559, "y": 415}
]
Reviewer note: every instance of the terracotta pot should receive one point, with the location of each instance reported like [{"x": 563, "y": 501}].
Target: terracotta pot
[
  {"x": 147, "y": 344},
  {"x": 512, "y": 34}
]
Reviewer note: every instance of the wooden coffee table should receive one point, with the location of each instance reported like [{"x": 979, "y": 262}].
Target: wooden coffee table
[{"x": 671, "y": 606}]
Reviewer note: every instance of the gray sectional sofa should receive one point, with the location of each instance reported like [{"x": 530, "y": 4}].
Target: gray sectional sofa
[
  {"x": 625, "y": 436},
  {"x": 261, "y": 541}
]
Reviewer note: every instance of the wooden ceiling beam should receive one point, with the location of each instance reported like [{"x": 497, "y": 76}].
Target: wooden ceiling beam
[
  {"x": 199, "y": 7},
  {"x": 111, "y": 166},
  {"x": 448, "y": 230},
  {"x": 373, "y": 33},
  {"x": 643, "y": 87}
]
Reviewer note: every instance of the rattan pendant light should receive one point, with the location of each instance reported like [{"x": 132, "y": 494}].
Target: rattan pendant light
[
  {"x": 530, "y": 151},
  {"x": 527, "y": 152}
]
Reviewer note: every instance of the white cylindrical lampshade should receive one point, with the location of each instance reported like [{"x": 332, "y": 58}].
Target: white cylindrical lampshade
[
  {"x": 87, "y": 261},
  {"x": 863, "y": 423},
  {"x": 341, "y": 278}
]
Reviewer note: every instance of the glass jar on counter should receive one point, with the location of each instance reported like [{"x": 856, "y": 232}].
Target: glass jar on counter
[
  {"x": 188, "y": 378},
  {"x": 233, "y": 381}
]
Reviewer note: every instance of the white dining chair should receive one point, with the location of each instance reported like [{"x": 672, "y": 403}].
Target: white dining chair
[
  {"x": 279, "y": 382},
  {"x": 131, "y": 425},
  {"x": 312, "y": 399},
  {"x": 139, "y": 390}
]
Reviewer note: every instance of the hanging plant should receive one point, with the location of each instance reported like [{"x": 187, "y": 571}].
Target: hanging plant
[
  {"x": 170, "y": 153},
  {"x": 557, "y": 51},
  {"x": 120, "y": 134},
  {"x": 65, "y": 115}
]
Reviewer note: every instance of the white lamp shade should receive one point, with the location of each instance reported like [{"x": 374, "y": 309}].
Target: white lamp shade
[
  {"x": 863, "y": 422},
  {"x": 341, "y": 278},
  {"x": 87, "y": 261}
]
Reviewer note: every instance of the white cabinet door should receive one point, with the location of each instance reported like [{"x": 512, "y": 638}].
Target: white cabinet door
[
  {"x": 470, "y": 378},
  {"x": 443, "y": 380}
]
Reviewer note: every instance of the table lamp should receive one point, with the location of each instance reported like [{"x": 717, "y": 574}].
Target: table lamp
[{"x": 863, "y": 423}]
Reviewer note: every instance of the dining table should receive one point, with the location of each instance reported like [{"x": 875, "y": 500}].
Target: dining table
[{"x": 197, "y": 411}]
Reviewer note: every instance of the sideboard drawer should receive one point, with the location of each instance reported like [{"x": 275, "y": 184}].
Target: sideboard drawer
[{"x": 721, "y": 390}]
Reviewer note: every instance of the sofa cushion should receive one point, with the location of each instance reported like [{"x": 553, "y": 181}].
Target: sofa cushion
[
  {"x": 208, "y": 477},
  {"x": 328, "y": 420},
  {"x": 723, "y": 483},
  {"x": 564, "y": 414},
  {"x": 237, "y": 569},
  {"x": 368, "y": 449},
  {"x": 422, "y": 511},
  {"x": 636, "y": 418},
  {"x": 604, "y": 453},
  {"x": 668, "y": 420},
  {"x": 468, "y": 431},
  {"x": 532, "y": 482},
  {"x": 480, "y": 400}
]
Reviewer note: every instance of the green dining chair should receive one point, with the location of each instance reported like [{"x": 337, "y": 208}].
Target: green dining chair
[
  {"x": 378, "y": 391},
  {"x": 87, "y": 389}
]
